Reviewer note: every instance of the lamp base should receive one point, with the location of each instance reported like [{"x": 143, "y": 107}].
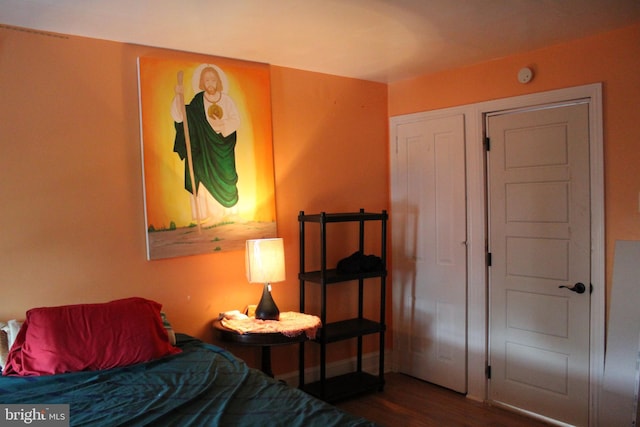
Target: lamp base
[{"x": 267, "y": 308}]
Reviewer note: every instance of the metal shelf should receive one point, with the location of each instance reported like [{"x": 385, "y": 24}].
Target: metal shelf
[
  {"x": 333, "y": 276},
  {"x": 350, "y": 328},
  {"x": 342, "y": 217},
  {"x": 343, "y": 386}
]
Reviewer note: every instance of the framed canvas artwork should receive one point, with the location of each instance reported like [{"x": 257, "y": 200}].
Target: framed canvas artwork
[{"x": 207, "y": 154}]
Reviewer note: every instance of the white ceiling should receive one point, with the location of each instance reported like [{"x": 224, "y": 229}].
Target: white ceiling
[{"x": 378, "y": 40}]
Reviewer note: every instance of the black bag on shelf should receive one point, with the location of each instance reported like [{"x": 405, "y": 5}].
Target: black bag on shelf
[{"x": 359, "y": 263}]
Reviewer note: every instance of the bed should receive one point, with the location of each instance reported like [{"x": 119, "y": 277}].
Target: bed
[{"x": 193, "y": 384}]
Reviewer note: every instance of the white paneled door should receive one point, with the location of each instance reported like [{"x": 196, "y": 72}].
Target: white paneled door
[
  {"x": 539, "y": 279},
  {"x": 429, "y": 250}
]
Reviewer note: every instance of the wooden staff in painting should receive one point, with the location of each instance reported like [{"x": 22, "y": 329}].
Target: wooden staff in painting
[{"x": 187, "y": 140}]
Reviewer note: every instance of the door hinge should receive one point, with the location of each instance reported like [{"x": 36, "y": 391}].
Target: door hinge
[
  {"x": 488, "y": 259},
  {"x": 488, "y": 371},
  {"x": 487, "y": 143}
]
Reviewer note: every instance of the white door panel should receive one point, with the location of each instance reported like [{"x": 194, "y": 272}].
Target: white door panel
[
  {"x": 430, "y": 250},
  {"x": 539, "y": 238}
]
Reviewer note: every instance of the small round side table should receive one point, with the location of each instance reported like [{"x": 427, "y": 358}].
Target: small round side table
[{"x": 265, "y": 340}]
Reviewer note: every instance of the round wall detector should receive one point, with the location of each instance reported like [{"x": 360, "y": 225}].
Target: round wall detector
[{"x": 525, "y": 75}]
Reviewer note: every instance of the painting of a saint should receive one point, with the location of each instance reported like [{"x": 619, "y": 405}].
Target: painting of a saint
[{"x": 207, "y": 155}]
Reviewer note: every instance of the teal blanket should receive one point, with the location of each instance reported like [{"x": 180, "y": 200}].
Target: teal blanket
[{"x": 203, "y": 386}]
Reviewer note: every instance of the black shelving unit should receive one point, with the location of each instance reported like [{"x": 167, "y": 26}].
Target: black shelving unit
[{"x": 356, "y": 382}]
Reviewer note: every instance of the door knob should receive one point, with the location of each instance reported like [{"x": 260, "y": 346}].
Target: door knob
[{"x": 578, "y": 288}]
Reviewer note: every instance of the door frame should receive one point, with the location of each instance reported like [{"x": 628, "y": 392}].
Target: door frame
[{"x": 477, "y": 283}]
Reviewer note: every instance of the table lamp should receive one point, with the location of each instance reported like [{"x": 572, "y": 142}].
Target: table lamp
[{"x": 265, "y": 264}]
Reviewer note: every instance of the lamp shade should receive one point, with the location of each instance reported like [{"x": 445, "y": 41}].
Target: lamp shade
[{"x": 264, "y": 260}]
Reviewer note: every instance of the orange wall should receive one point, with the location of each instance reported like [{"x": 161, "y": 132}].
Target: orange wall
[
  {"x": 612, "y": 58},
  {"x": 71, "y": 181}
]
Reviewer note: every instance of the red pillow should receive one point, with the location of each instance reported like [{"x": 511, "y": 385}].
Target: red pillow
[{"x": 72, "y": 338}]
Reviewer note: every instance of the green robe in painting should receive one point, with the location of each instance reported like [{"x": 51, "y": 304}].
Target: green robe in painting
[{"x": 214, "y": 161}]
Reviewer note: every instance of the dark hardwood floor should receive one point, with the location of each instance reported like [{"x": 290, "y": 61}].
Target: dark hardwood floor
[{"x": 407, "y": 401}]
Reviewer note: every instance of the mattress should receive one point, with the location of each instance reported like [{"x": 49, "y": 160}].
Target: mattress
[{"x": 204, "y": 385}]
